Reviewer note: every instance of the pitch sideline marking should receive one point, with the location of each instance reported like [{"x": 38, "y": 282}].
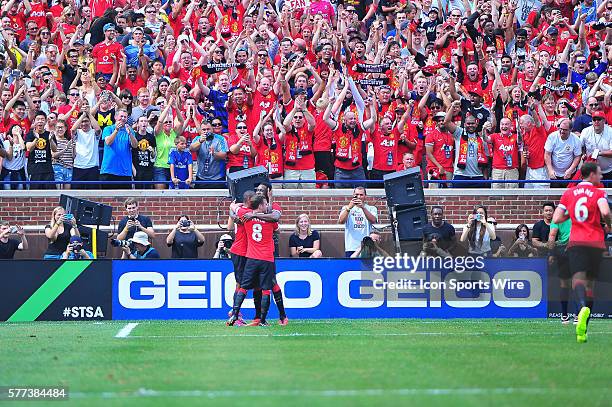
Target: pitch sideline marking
[
  {"x": 125, "y": 331},
  {"x": 296, "y": 334},
  {"x": 326, "y": 393}
]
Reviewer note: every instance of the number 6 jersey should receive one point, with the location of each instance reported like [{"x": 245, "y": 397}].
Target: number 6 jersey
[{"x": 581, "y": 202}]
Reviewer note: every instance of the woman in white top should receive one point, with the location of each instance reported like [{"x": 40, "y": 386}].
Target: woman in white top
[
  {"x": 478, "y": 232},
  {"x": 13, "y": 166}
]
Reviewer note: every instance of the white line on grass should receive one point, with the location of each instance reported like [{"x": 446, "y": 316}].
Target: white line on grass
[
  {"x": 469, "y": 391},
  {"x": 325, "y": 334},
  {"x": 125, "y": 331}
]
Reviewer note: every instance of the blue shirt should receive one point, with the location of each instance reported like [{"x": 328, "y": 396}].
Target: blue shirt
[
  {"x": 118, "y": 156},
  {"x": 181, "y": 161},
  {"x": 131, "y": 54},
  {"x": 580, "y": 79},
  {"x": 219, "y": 101}
]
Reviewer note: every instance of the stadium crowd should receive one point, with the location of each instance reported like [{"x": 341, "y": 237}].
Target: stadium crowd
[{"x": 178, "y": 93}]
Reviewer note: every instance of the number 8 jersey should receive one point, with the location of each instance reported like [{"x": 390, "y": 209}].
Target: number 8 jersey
[
  {"x": 581, "y": 202},
  {"x": 260, "y": 241}
]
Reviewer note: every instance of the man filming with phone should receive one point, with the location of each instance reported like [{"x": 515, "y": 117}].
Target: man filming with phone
[
  {"x": 358, "y": 218},
  {"x": 134, "y": 222},
  {"x": 8, "y": 246}
]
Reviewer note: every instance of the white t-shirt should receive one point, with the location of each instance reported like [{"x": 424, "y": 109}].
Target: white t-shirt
[
  {"x": 357, "y": 226},
  {"x": 562, "y": 151},
  {"x": 86, "y": 149},
  {"x": 18, "y": 161},
  {"x": 601, "y": 142}
]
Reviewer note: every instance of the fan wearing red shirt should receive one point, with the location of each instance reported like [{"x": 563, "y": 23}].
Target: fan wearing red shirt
[
  {"x": 440, "y": 147},
  {"x": 132, "y": 80},
  {"x": 103, "y": 51},
  {"x": 37, "y": 12},
  {"x": 259, "y": 269},
  {"x": 299, "y": 139},
  {"x": 348, "y": 151},
  {"x": 385, "y": 140},
  {"x": 534, "y": 138},
  {"x": 586, "y": 206},
  {"x": 239, "y": 108},
  {"x": 242, "y": 152},
  {"x": 269, "y": 147},
  {"x": 505, "y": 154}
]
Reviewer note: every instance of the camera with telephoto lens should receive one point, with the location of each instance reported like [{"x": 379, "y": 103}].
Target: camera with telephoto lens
[
  {"x": 120, "y": 243},
  {"x": 227, "y": 243},
  {"x": 77, "y": 247}
]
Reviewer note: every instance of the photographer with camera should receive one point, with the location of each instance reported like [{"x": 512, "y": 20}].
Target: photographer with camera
[
  {"x": 9, "y": 246},
  {"x": 440, "y": 231},
  {"x": 134, "y": 222},
  {"x": 185, "y": 239},
  {"x": 75, "y": 251},
  {"x": 223, "y": 247},
  {"x": 138, "y": 247}
]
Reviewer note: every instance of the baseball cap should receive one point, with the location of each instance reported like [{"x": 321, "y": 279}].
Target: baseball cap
[
  {"x": 435, "y": 10},
  {"x": 552, "y": 31},
  {"x": 76, "y": 239},
  {"x": 599, "y": 114},
  {"x": 108, "y": 26}
]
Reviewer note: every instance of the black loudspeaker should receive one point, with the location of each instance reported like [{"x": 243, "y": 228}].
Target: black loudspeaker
[
  {"x": 404, "y": 188},
  {"x": 87, "y": 212},
  {"x": 246, "y": 180},
  {"x": 410, "y": 222},
  {"x": 102, "y": 239}
]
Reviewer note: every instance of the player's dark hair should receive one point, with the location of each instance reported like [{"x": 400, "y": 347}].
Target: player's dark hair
[
  {"x": 256, "y": 200},
  {"x": 267, "y": 184},
  {"x": 247, "y": 196},
  {"x": 551, "y": 204},
  {"x": 587, "y": 169}
]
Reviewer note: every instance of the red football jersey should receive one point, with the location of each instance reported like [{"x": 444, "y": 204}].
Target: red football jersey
[
  {"x": 581, "y": 203},
  {"x": 239, "y": 247},
  {"x": 259, "y": 234},
  {"x": 385, "y": 150}
]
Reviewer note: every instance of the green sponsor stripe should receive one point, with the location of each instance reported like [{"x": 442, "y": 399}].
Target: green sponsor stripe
[{"x": 49, "y": 290}]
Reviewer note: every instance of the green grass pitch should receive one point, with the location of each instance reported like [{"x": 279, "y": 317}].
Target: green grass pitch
[{"x": 312, "y": 363}]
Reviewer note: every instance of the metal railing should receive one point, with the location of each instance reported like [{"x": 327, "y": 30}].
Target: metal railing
[{"x": 607, "y": 183}]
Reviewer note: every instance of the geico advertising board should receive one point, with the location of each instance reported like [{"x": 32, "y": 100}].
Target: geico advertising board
[{"x": 203, "y": 289}]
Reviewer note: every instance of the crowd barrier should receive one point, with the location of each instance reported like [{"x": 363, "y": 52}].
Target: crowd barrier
[
  {"x": 318, "y": 289},
  {"x": 366, "y": 182}
]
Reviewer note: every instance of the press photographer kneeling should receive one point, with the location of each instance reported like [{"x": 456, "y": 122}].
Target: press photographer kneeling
[
  {"x": 75, "y": 250},
  {"x": 137, "y": 247}
]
